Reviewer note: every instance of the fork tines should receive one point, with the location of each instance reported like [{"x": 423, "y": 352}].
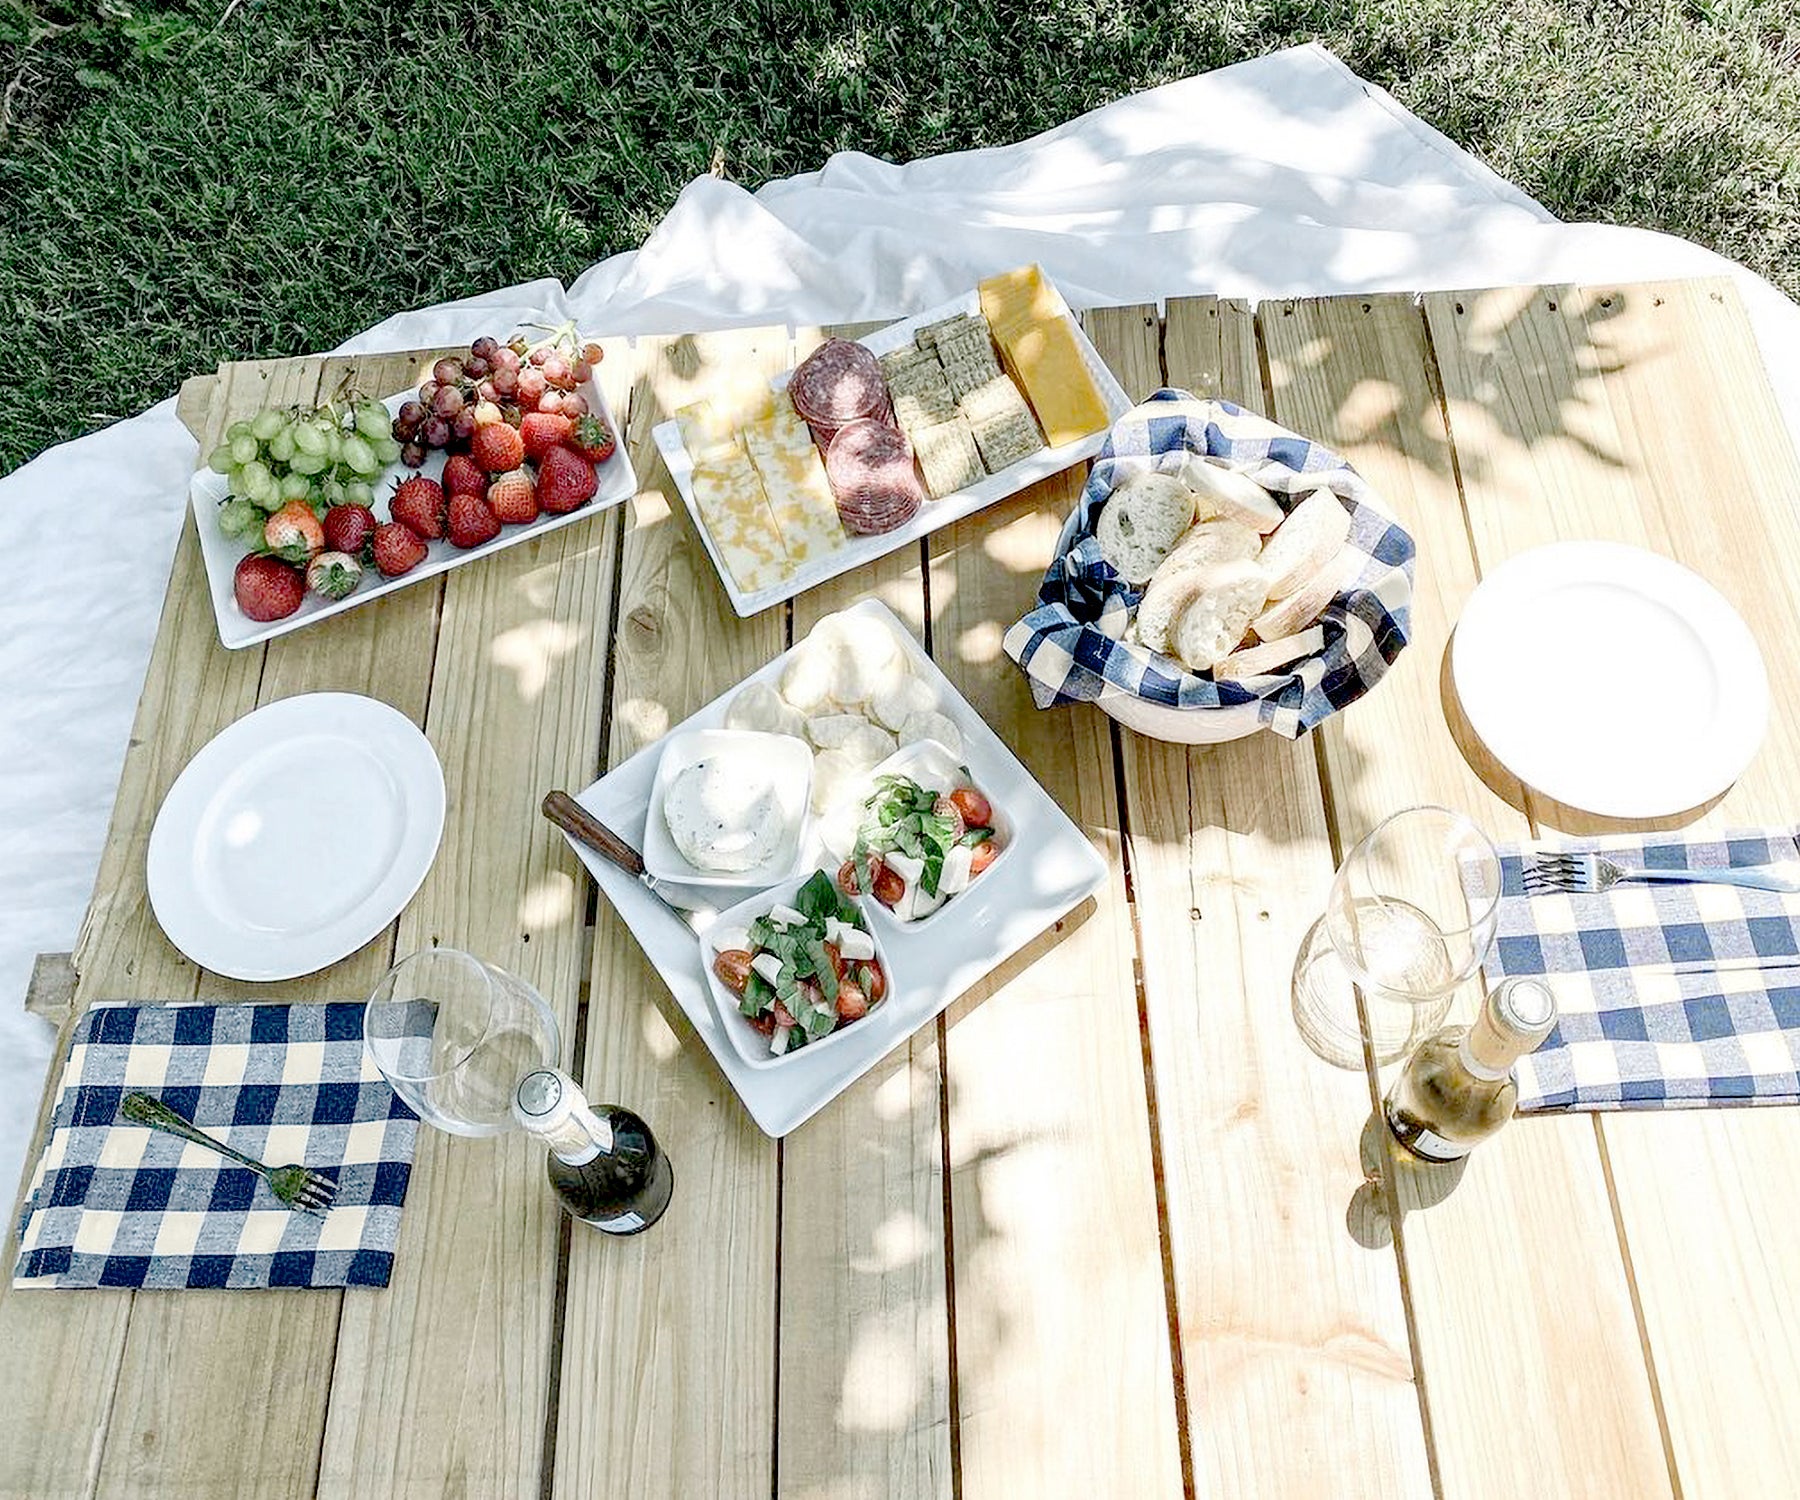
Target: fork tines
[
  {"x": 1551, "y": 873},
  {"x": 316, "y": 1194}
]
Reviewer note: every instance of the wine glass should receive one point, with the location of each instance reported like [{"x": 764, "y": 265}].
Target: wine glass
[
  {"x": 1410, "y": 918},
  {"x": 453, "y": 1035}
]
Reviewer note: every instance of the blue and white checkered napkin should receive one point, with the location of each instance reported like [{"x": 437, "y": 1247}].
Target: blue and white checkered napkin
[
  {"x": 1072, "y": 645},
  {"x": 116, "y": 1204},
  {"x": 1629, "y": 1037}
]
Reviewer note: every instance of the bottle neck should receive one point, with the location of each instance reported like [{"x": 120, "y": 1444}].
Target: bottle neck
[
  {"x": 551, "y": 1106},
  {"x": 578, "y": 1139},
  {"x": 1517, "y": 1016}
]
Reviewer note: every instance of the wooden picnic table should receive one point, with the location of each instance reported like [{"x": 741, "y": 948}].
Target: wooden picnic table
[{"x": 1107, "y": 1228}]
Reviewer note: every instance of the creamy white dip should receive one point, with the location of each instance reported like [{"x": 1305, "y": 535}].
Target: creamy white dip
[{"x": 725, "y": 813}]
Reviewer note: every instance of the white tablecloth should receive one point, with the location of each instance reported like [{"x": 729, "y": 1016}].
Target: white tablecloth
[{"x": 1284, "y": 175}]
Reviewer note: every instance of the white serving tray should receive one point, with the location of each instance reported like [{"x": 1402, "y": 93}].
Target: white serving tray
[
  {"x": 1050, "y": 870},
  {"x": 618, "y": 481},
  {"x": 934, "y": 513}
]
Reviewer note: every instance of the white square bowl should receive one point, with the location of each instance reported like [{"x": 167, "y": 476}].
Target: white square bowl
[
  {"x": 794, "y": 766},
  {"x": 751, "y": 1045},
  {"x": 929, "y": 763}
]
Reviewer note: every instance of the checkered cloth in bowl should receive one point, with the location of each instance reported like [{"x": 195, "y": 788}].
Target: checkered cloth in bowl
[
  {"x": 1629, "y": 1037},
  {"x": 1072, "y": 645},
  {"x": 114, "y": 1204}
]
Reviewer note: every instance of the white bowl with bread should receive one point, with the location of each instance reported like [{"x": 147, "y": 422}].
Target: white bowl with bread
[{"x": 1232, "y": 583}]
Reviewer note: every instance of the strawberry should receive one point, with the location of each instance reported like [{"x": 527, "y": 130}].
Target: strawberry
[
  {"x": 333, "y": 574},
  {"x": 418, "y": 505},
  {"x": 566, "y": 481},
  {"x": 497, "y": 447},
  {"x": 397, "y": 549},
  {"x": 293, "y": 533},
  {"x": 513, "y": 498},
  {"x": 593, "y": 440},
  {"x": 267, "y": 588},
  {"x": 348, "y": 528},
  {"x": 471, "y": 522},
  {"x": 463, "y": 476},
  {"x": 543, "y": 431}
]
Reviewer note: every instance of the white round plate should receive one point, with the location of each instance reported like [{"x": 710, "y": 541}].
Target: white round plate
[
  {"x": 295, "y": 836},
  {"x": 1611, "y": 679}
]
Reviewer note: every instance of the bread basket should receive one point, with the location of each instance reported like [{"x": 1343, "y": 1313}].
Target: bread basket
[{"x": 1075, "y": 645}]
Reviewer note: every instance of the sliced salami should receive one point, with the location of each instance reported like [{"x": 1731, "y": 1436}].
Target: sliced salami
[
  {"x": 870, "y": 466},
  {"x": 838, "y": 383}
]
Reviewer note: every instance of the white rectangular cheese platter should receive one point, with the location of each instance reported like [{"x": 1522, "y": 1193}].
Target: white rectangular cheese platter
[
  {"x": 858, "y": 550},
  {"x": 1048, "y": 869}
]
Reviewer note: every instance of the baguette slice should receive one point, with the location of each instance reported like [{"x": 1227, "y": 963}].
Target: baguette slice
[
  {"x": 1172, "y": 586},
  {"x": 1257, "y": 661},
  {"x": 1141, "y": 523},
  {"x": 1217, "y": 617},
  {"x": 1308, "y": 601},
  {"x": 1225, "y": 492},
  {"x": 1310, "y": 537}
]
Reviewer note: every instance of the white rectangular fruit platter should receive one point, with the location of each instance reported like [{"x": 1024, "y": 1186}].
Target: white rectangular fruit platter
[
  {"x": 1047, "y": 869},
  {"x": 935, "y": 513},
  {"x": 208, "y": 490}
]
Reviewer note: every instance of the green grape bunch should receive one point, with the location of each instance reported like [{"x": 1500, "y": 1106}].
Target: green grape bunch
[{"x": 325, "y": 456}]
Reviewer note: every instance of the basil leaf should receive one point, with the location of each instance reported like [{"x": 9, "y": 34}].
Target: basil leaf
[
  {"x": 825, "y": 971},
  {"x": 975, "y": 836}
]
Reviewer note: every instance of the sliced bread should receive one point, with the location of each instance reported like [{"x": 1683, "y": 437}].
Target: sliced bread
[
  {"x": 1306, "y": 603},
  {"x": 1255, "y": 661},
  {"x": 1216, "y": 618},
  {"x": 1172, "y": 586},
  {"x": 1141, "y": 522},
  {"x": 1225, "y": 492},
  {"x": 1308, "y": 539}
]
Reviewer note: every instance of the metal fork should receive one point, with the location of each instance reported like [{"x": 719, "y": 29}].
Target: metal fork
[
  {"x": 1580, "y": 874},
  {"x": 298, "y": 1187}
]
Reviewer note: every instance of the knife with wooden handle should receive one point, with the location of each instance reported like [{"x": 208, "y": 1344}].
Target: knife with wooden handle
[{"x": 576, "y": 821}]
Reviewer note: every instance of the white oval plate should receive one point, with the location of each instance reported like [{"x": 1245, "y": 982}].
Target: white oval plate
[
  {"x": 1611, "y": 679},
  {"x": 295, "y": 835}
]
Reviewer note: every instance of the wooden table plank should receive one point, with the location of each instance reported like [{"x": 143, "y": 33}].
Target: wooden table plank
[
  {"x": 668, "y": 1361},
  {"x": 1641, "y": 414},
  {"x": 864, "y": 1313},
  {"x": 68, "y": 1347},
  {"x": 1063, "y": 1364},
  {"x": 1526, "y": 1241},
  {"x": 442, "y": 1382},
  {"x": 1293, "y": 1335}
]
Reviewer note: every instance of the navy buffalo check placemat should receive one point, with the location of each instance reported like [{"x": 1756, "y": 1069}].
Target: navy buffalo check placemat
[
  {"x": 1628, "y": 1036},
  {"x": 118, "y": 1205}
]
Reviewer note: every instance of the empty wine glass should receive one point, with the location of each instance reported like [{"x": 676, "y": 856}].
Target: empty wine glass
[
  {"x": 1410, "y": 918},
  {"x": 454, "y": 1035}
]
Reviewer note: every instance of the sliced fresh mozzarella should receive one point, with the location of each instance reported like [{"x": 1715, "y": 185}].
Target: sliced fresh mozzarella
[
  {"x": 956, "y": 870},
  {"x": 786, "y": 916},
  {"x": 855, "y": 944},
  {"x": 767, "y": 965},
  {"x": 905, "y": 866}
]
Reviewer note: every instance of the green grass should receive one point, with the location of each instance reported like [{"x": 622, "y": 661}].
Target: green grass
[{"x": 184, "y": 182}]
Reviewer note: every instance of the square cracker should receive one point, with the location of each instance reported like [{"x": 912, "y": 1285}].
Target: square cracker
[{"x": 947, "y": 456}]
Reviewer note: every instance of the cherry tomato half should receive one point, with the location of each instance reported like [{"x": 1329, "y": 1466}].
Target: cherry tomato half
[
  {"x": 874, "y": 983},
  {"x": 985, "y": 853},
  {"x": 852, "y": 1003},
  {"x": 976, "y": 810},
  {"x": 889, "y": 887},
  {"x": 732, "y": 965},
  {"x": 946, "y": 808}
]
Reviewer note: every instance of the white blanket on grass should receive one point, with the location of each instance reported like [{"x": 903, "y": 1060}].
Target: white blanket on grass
[{"x": 1285, "y": 175}]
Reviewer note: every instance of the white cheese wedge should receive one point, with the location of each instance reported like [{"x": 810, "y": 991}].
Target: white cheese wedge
[
  {"x": 767, "y": 965},
  {"x": 955, "y": 878},
  {"x": 728, "y": 939},
  {"x": 786, "y": 916},
  {"x": 855, "y": 944},
  {"x": 925, "y": 904},
  {"x": 905, "y": 866}
]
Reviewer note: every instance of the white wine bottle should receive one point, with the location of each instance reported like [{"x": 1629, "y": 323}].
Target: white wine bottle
[
  {"x": 1457, "y": 1089},
  {"x": 605, "y": 1165}
]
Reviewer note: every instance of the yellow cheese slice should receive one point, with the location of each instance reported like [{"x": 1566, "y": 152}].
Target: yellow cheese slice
[
  {"x": 710, "y": 426},
  {"x": 730, "y": 496},
  {"x": 793, "y": 476},
  {"x": 1019, "y": 297},
  {"x": 1045, "y": 361}
]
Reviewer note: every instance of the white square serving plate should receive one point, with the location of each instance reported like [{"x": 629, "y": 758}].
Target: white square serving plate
[
  {"x": 934, "y": 513},
  {"x": 208, "y": 490},
  {"x": 1049, "y": 871}
]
